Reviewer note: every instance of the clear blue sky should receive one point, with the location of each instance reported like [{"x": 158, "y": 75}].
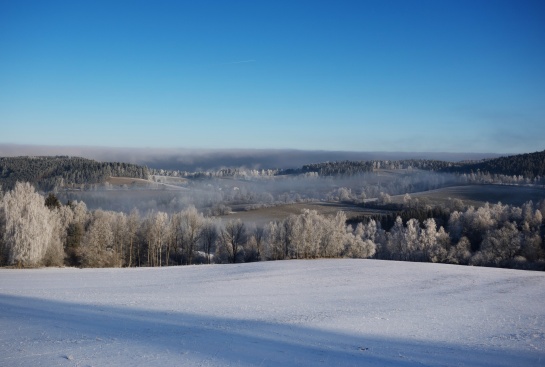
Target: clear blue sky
[{"x": 434, "y": 75}]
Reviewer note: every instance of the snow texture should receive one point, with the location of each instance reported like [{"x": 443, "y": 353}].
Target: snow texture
[{"x": 285, "y": 313}]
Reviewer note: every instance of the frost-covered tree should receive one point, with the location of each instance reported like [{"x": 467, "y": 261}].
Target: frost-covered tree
[
  {"x": 461, "y": 253},
  {"x": 133, "y": 223},
  {"x": 357, "y": 247},
  {"x": 395, "y": 245},
  {"x": 333, "y": 237},
  {"x": 97, "y": 248},
  {"x": 412, "y": 244},
  {"x": 428, "y": 239},
  {"x": 156, "y": 234},
  {"x": 531, "y": 245},
  {"x": 54, "y": 255},
  {"x": 27, "y": 225},
  {"x": 3, "y": 250},
  {"x": 304, "y": 233},
  {"x": 191, "y": 226},
  {"x": 254, "y": 245},
  {"x": 119, "y": 229},
  {"x": 500, "y": 245},
  {"x": 384, "y": 198},
  {"x": 439, "y": 251},
  {"x": 274, "y": 249}
]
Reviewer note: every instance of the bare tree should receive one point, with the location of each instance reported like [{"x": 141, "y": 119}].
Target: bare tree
[
  {"x": 232, "y": 238},
  {"x": 133, "y": 223},
  {"x": 156, "y": 236},
  {"x": 191, "y": 225},
  {"x": 209, "y": 237}
]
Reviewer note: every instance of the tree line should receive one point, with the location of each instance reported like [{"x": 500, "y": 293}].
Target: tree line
[
  {"x": 50, "y": 173},
  {"x": 529, "y": 165},
  {"x": 38, "y": 231}
]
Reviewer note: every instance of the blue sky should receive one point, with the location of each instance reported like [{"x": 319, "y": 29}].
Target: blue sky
[{"x": 453, "y": 76}]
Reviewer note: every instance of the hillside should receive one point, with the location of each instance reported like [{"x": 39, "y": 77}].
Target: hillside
[
  {"x": 527, "y": 165},
  {"x": 46, "y": 173},
  {"x": 283, "y": 313}
]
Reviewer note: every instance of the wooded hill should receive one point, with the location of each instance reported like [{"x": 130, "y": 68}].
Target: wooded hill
[
  {"x": 528, "y": 165},
  {"x": 46, "y": 173}
]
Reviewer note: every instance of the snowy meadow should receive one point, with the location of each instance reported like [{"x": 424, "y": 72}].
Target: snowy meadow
[{"x": 339, "y": 312}]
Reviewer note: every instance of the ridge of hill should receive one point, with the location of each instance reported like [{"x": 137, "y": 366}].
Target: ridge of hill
[
  {"x": 527, "y": 165},
  {"x": 47, "y": 173}
]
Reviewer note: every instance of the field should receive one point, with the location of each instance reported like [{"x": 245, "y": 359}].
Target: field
[
  {"x": 285, "y": 313},
  {"x": 478, "y": 195},
  {"x": 263, "y": 216},
  {"x": 164, "y": 183},
  {"x": 129, "y": 181}
]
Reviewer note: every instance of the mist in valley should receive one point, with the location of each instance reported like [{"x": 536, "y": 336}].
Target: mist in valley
[{"x": 217, "y": 195}]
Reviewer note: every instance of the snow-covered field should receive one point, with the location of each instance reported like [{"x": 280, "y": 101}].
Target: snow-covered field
[{"x": 287, "y": 313}]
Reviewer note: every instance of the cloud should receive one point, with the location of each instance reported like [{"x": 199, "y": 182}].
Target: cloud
[{"x": 207, "y": 159}]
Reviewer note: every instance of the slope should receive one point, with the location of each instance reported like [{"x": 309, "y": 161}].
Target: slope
[{"x": 289, "y": 313}]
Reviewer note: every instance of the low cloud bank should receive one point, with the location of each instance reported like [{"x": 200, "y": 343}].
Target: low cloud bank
[{"x": 205, "y": 159}]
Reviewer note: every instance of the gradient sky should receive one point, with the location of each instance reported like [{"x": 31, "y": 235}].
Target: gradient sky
[{"x": 452, "y": 76}]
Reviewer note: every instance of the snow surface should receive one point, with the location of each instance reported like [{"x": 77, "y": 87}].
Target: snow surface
[{"x": 286, "y": 313}]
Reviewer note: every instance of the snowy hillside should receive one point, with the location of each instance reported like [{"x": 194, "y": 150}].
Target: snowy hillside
[{"x": 289, "y": 313}]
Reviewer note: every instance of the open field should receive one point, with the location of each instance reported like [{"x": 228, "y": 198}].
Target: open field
[
  {"x": 129, "y": 181},
  {"x": 478, "y": 195},
  {"x": 289, "y": 313},
  {"x": 141, "y": 183}
]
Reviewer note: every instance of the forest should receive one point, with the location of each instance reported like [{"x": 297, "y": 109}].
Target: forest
[{"x": 51, "y": 173}]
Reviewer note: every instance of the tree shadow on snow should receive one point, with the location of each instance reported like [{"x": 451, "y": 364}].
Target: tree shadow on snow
[{"x": 51, "y": 332}]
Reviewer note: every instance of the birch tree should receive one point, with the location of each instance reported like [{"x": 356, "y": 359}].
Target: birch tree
[{"x": 27, "y": 229}]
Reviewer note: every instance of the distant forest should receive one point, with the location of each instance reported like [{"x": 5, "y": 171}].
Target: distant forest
[
  {"x": 48, "y": 173},
  {"x": 350, "y": 168},
  {"x": 529, "y": 165}
]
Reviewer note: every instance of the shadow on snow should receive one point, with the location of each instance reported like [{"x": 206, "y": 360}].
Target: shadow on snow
[{"x": 51, "y": 332}]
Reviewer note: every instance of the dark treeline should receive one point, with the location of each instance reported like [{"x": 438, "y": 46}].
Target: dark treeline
[
  {"x": 351, "y": 168},
  {"x": 58, "y": 234},
  {"x": 530, "y": 165},
  {"x": 50, "y": 173}
]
